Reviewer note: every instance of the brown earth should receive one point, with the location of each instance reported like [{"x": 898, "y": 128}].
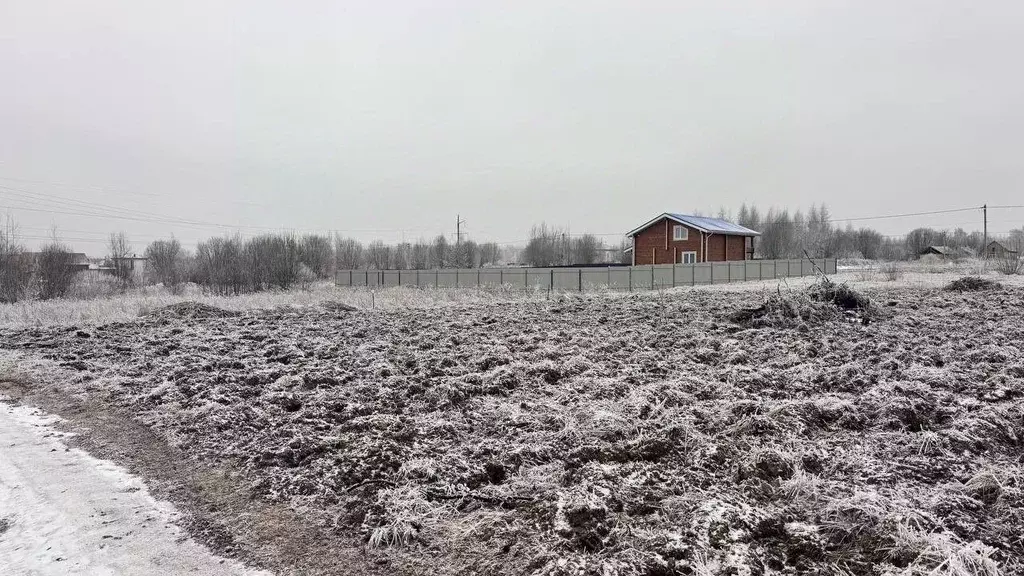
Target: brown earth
[{"x": 639, "y": 434}]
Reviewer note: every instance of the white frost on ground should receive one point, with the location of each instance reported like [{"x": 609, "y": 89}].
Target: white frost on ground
[{"x": 65, "y": 512}]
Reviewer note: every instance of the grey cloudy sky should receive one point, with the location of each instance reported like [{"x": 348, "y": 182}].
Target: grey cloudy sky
[{"x": 388, "y": 118}]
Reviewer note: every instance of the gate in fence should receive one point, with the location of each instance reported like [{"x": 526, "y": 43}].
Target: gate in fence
[{"x": 580, "y": 279}]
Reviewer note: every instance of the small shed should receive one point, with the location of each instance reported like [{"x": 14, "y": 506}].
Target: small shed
[
  {"x": 997, "y": 249},
  {"x": 947, "y": 252}
]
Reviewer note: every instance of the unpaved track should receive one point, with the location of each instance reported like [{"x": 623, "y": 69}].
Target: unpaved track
[{"x": 65, "y": 512}]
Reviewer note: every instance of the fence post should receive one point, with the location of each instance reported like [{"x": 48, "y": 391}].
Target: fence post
[
  {"x": 609, "y": 277},
  {"x": 350, "y": 278},
  {"x": 477, "y": 278},
  {"x": 712, "y": 273},
  {"x": 581, "y": 279},
  {"x": 456, "y": 277},
  {"x": 417, "y": 277},
  {"x": 693, "y": 275},
  {"x": 630, "y": 278},
  {"x": 551, "y": 286},
  {"x": 673, "y": 274},
  {"x": 501, "y": 276},
  {"x": 728, "y": 272}
]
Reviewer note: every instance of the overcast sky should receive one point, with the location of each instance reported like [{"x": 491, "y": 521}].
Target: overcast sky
[{"x": 386, "y": 119}]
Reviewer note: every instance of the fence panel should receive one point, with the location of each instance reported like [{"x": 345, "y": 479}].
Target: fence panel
[
  {"x": 702, "y": 274},
  {"x": 445, "y": 278},
  {"x": 719, "y": 272},
  {"x": 753, "y": 270},
  {"x": 491, "y": 277},
  {"x": 538, "y": 278},
  {"x": 594, "y": 278},
  {"x": 643, "y": 278},
  {"x": 663, "y": 276},
  {"x": 684, "y": 274},
  {"x": 621, "y": 278},
  {"x": 737, "y": 271},
  {"x": 566, "y": 278},
  {"x": 571, "y": 279}
]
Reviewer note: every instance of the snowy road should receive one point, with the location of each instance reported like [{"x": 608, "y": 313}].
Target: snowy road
[{"x": 65, "y": 512}]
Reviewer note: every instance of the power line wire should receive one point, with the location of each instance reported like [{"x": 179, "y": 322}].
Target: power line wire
[
  {"x": 905, "y": 215},
  {"x": 83, "y": 208}
]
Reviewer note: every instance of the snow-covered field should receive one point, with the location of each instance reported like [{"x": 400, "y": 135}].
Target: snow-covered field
[{"x": 639, "y": 433}]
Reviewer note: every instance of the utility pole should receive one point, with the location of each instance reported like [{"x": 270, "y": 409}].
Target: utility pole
[
  {"x": 984, "y": 244},
  {"x": 458, "y": 239}
]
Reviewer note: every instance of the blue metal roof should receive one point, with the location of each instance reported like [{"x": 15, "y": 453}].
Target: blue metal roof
[
  {"x": 702, "y": 223},
  {"x": 715, "y": 225}
]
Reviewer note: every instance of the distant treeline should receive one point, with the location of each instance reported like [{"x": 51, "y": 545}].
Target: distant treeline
[
  {"x": 235, "y": 265},
  {"x": 788, "y": 235}
]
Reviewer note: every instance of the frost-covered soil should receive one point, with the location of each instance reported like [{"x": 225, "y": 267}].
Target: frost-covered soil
[{"x": 639, "y": 434}]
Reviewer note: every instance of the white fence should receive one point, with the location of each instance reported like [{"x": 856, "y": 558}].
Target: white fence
[{"x": 613, "y": 277}]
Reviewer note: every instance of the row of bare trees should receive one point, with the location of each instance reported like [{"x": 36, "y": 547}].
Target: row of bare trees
[
  {"x": 788, "y": 235},
  {"x": 438, "y": 253},
  {"x": 552, "y": 246},
  {"x": 46, "y": 274}
]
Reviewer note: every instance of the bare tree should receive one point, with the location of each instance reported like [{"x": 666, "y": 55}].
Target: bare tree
[
  {"x": 401, "y": 256},
  {"x": 420, "y": 255},
  {"x": 54, "y": 270},
  {"x": 439, "y": 252},
  {"x": 625, "y": 257},
  {"x": 545, "y": 247},
  {"x": 15, "y": 264},
  {"x": 348, "y": 254},
  {"x": 490, "y": 253},
  {"x": 119, "y": 253},
  {"x": 315, "y": 253},
  {"x": 777, "y": 235},
  {"x": 586, "y": 249},
  {"x": 465, "y": 254},
  {"x": 165, "y": 264},
  {"x": 273, "y": 261},
  {"x": 220, "y": 265},
  {"x": 378, "y": 255}
]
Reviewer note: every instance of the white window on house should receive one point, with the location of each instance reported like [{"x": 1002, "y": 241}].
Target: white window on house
[
  {"x": 680, "y": 233},
  {"x": 688, "y": 258}
]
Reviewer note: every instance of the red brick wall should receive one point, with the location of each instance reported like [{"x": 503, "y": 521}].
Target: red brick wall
[
  {"x": 654, "y": 245},
  {"x": 737, "y": 248},
  {"x": 651, "y": 246}
]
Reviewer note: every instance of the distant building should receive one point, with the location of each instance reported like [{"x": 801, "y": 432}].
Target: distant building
[
  {"x": 136, "y": 265},
  {"x": 79, "y": 261},
  {"x": 684, "y": 239},
  {"x": 947, "y": 252},
  {"x": 997, "y": 249}
]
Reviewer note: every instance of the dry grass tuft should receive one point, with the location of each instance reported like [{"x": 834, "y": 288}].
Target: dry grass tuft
[
  {"x": 891, "y": 271},
  {"x": 972, "y": 284}
]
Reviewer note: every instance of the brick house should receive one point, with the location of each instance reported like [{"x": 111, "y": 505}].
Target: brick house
[{"x": 683, "y": 239}]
